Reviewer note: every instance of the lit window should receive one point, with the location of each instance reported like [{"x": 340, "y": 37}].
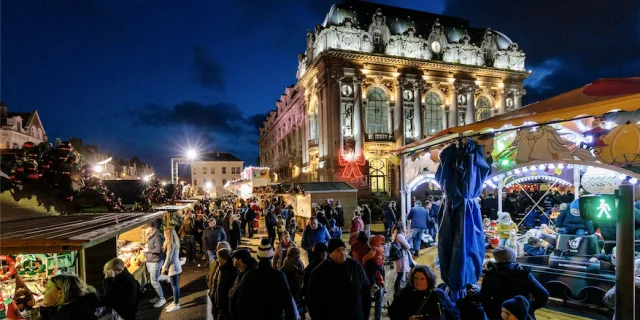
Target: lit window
[
  {"x": 377, "y": 111},
  {"x": 483, "y": 109},
  {"x": 432, "y": 114}
]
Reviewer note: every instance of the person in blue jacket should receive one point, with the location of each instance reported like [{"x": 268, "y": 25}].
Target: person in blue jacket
[
  {"x": 570, "y": 222},
  {"x": 312, "y": 234},
  {"x": 418, "y": 217},
  {"x": 334, "y": 231},
  {"x": 534, "y": 247}
]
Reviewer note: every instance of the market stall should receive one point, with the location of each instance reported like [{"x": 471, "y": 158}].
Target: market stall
[
  {"x": 587, "y": 140},
  {"x": 305, "y": 195},
  {"x": 249, "y": 178},
  {"x": 79, "y": 244}
]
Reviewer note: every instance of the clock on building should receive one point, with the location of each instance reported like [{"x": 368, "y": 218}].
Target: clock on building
[
  {"x": 376, "y": 164},
  {"x": 346, "y": 90},
  {"x": 436, "y": 46},
  {"x": 407, "y": 95},
  {"x": 462, "y": 99}
]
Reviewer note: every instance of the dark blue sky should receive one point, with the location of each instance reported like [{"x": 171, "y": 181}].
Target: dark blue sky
[{"x": 148, "y": 78}]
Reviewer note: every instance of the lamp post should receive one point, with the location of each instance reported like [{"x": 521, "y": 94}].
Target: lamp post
[
  {"x": 189, "y": 157},
  {"x": 101, "y": 167}
]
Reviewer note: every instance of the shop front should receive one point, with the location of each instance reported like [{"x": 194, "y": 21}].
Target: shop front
[{"x": 32, "y": 250}]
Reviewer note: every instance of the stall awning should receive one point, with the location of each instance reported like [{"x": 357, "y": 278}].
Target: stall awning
[
  {"x": 55, "y": 234},
  {"x": 595, "y": 99}
]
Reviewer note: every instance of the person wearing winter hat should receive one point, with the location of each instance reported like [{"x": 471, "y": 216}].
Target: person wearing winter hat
[
  {"x": 334, "y": 283},
  {"x": 469, "y": 306},
  {"x": 534, "y": 247},
  {"x": 506, "y": 279},
  {"x": 319, "y": 255},
  {"x": 265, "y": 289},
  {"x": 570, "y": 222},
  {"x": 516, "y": 308}
]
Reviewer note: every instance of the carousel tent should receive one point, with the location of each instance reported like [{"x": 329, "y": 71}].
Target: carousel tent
[{"x": 600, "y": 97}]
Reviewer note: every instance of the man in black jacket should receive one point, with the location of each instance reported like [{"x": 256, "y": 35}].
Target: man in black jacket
[
  {"x": 338, "y": 288},
  {"x": 244, "y": 262},
  {"x": 266, "y": 290},
  {"x": 211, "y": 236},
  {"x": 120, "y": 291},
  {"x": 366, "y": 219}
]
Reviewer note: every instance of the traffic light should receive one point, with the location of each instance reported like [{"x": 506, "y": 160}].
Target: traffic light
[{"x": 599, "y": 207}]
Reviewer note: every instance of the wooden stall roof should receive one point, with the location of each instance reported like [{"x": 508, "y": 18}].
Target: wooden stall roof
[
  {"x": 54, "y": 234},
  {"x": 323, "y": 187}
]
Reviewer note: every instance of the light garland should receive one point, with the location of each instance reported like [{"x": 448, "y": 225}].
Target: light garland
[{"x": 547, "y": 178}]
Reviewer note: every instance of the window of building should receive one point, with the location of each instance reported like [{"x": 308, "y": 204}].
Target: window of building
[
  {"x": 432, "y": 114},
  {"x": 313, "y": 120},
  {"x": 195, "y": 182},
  {"x": 377, "y": 111},
  {"x": 214, "y": 182},
  {"x": 224, "y": 181},
  {"x": 378, "y": 175},
  {"x": 224, "y": 170},
  {"x": 213, "y": 170},
  {"x": 483, "y": 108},
  {"x": 204, "y": 170}
]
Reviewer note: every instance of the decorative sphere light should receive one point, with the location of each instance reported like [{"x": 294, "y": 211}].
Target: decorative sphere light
[
  {"x": 517, "y": 171},
  {"x": 541, "y": 167},
  {"x": 191, "y": 154},
  {"x": 633, "y": 180},
  {"x": 533, "y": 168},
  {"x": 495, "y": 179},
  {"x": 525, "y": 169},
  {"x": 551, "y": 166},
  {"x": 97, "y": 168},
  {"x": 560, "y": 166}
]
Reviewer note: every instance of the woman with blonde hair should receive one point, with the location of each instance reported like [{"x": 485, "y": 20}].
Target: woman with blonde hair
[
  {"x": 172, "y": 265},
  {"x": 68, "y": 297}
]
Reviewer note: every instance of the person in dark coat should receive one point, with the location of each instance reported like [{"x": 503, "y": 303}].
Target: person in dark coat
[
  {"x": 570, "y": 222},
  {"x": 338, "y": 287},
  {"x": 235, "y": 232},
  {"x": 66, "y": 297},
  {"x": 491, "y": 207},
  {"x": 212, "y": 235},
  {"x": 319, "y": 254},
  {"x": 322, "y": 218},
  {"x": 366, "y": 219},
  {"x": 421, "y": 287},
  {"x": 568, "y": 197},
  {"x": 223, "y": 280},
  {"x": 506, "y": 279},
  {"x": 469, "y": 306},
  {"x": 243, "y": 261},
  {"x": 293, "y": 270},
  {"x": 265, "y": 290},
  {"x": 200, "y": 225},
  {"x": 390, "y": 218},
  {"x": 270, "y": 222},
  {"x": 339, "y": 214},
  {"x": 251, "y": 215},
  {"x": 120, "y": 290},
  {"x": 327, "y": 208},
  {"x": 226, "y": 224}
]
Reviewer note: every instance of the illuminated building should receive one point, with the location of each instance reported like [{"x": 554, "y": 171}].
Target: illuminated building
[{"x": 376, "y": 77}]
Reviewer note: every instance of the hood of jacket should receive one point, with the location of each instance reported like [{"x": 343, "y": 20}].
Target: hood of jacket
[{"x": 332, "y": 223}]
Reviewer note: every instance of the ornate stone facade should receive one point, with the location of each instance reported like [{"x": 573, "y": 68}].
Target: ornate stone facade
[
  {"x": 16, "y": 128},
  {"x": 376, "y": 77}
]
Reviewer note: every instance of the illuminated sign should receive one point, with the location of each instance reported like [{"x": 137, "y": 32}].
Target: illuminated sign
[{"x": 598, "y": 207}]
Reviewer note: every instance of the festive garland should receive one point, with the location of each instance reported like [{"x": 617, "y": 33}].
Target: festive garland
[{"x": 54, "y": 173}]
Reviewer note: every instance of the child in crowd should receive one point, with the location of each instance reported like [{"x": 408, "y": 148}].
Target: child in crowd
[
  {"x": 534, "y": 247},
  {"x": 291, "y": 228},
  {"x": 373, "y": 263},
  {"x": 505, "y": 226},
  {"x": 281, "y": 227}
]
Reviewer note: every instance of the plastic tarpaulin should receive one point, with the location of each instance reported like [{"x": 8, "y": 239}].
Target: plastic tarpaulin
[{"x": 461, "y": 246}]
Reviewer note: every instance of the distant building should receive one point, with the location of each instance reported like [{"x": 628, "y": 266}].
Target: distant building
[
  {"x": 115, "y": 169},
  {"x": 375, "y": 77},
  {"x": 211, "y": 171},
  {"x": 20, "y": 127}
]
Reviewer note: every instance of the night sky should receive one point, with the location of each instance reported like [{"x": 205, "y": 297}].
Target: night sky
[{"x": 150, "y": 78}]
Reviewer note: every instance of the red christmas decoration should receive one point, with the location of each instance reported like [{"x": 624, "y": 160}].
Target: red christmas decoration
[{"x": 351, "y": 163}]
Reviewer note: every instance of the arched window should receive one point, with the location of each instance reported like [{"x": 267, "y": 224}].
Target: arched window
[
  {"x": 377, "y": 111},
  {"x": 483, "y": 109},
  {"x": 378, "y": 175},
  {"x": 432, "y": 114},
  {"x": 313, "y": 120}
]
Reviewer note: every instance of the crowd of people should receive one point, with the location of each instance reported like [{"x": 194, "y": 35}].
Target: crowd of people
[{"x": 340, "y": 281}]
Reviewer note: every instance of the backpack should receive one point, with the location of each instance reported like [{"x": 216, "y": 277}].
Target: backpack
[{"x": 395, "y": 251}]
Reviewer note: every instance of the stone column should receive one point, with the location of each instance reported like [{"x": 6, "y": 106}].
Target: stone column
[
  {"x": 470, "y": 116},
  {"x": 453, "y": 106},
  {"x": 341, "y": 123},
  {"x": 517, "y": 95},
  {"x": 322, "y": 118},
  {"x": 305, "y": 132},
  {"x": 501, "y": 100},
  {"x": 398, "y": 128},
  {"x": 417, "y": 110},
  {"x": 358, "y": 114}
]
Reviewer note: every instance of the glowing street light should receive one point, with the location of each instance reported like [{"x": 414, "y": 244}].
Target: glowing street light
[
  {"x": 208, "y": 185},
  {"x": 147, "y": 178},
  {"x": 97, "y": 168},
  {"x": 163, "y": 183},
  {"x": 191, "y": 154}
]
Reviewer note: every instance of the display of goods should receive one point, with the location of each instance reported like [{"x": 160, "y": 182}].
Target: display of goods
[{"x": 8, "y": 269}]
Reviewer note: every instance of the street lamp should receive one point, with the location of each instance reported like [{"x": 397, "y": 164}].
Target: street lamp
[
  {"x": 147, "y": 178},
  {"x": 208, "y": 185},
  {"x": 97, "y": 168},
  {"x": 191, "y": 154}
]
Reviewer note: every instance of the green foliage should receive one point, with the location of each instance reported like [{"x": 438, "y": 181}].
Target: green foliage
[{"x": 379, "y": 200}]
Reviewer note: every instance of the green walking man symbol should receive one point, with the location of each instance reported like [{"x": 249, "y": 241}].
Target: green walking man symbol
[{"x": 604, "y": 208}]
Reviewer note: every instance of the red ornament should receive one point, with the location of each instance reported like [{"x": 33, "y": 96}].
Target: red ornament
[
  {"x": 33, "y": 176},
  {"x": 351, "y": 163},
  {"x": 28, "y": 145},
  {"x": 20, "y": 169}
]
